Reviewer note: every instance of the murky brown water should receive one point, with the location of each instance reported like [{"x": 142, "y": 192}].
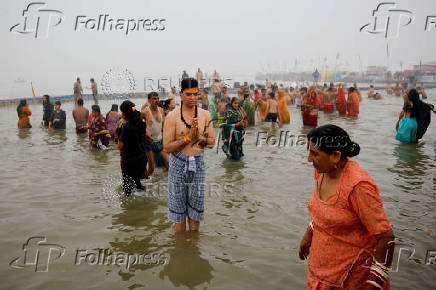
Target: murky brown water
[{"x": 54, "y": 185}]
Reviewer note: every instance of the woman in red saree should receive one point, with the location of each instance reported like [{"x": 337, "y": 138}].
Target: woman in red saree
[
  {"x": 341, "y": 104},
  {"x": 353, "y": 102},
  {"x": 310, "y": 108},
  {"x": 350, "y": 239}
]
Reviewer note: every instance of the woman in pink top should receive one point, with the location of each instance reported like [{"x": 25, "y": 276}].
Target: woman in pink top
[
  {"x": 350, "y": 239},
  {"x": 112, "y": 119}
]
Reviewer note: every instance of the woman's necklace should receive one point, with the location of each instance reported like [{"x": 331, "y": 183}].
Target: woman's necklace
[{"x": 183, "y": 119}]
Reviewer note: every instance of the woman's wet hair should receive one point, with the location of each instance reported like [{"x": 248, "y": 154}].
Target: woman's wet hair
[
  {"x": 96, "y": 108},
  {"x": 129, "y": 110},
  {"x": 408, "y": 108},
  {"x": 20, "y": 106},
  {"x": 330, "y": 138},
  {"x": 114, "y": 107},
  {"x": 133, "y": 116}
]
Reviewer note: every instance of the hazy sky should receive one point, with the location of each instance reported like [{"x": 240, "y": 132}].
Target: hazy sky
[{"x": 237, "y": 38}]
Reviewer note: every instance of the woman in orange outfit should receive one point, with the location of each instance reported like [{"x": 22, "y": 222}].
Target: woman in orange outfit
[
  {"x": 23, "y": 115},
  {"x": 353, "y": 102},
  {"x": 350, "y": 242},
  {"x": 284, "y": 115}
]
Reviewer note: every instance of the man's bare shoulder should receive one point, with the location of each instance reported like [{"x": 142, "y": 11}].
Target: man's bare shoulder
[
  {"x": 203, "y": 112},
  {"x": 172, "y": 115}
]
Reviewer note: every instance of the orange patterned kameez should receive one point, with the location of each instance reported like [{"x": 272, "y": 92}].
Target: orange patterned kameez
[{"x": 343, "y": 242}]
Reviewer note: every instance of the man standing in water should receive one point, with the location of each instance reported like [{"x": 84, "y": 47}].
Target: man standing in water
[
  {"x": 77, "y": 90},
  {"x": 186, "y": 133},
  {"x": 58, "y": 117},
  {"x": 271, "y": 111},
  {"x": 81, "y": 115},
  {"x": 155, "y": 117},
  {"x": 94, "y": 91}
]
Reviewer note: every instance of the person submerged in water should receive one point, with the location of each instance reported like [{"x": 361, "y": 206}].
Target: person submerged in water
[
  {"x": 80, "y": 116},
  {"x": 371, "y": 92},
  {"x": 58, "y": 118},
  {"x": 23, "y": 112},
  {"x": 406, "y": 126},
  {"x": 47, "y": 111},
  {"x": 353, "y": 102},
  {"x": 99, "y": 133},
  {"x": 233, "y": 132},
  {"x": 310, "y": 108},
  {"x": 272, "y": 111},
  {"x": 186, "y": 133},
  {"x": 420, "y": 111},
  {"x": 112, "y": 118}
]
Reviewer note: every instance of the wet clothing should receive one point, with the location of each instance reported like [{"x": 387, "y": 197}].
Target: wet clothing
[
  {"x": 47, "y": 113},
  {"x": 24, "y": 121},
  {"x": 422, "y": 113},
  {"x": 310, "y": 115},
  {"x": 61, "y": 115},
  {"x": 285, "y": 117},
  {"x": 80, "y": 116},
  {"x": 249, "y": 110},
  {"x": 262, "y": 109},
  {"x": 156, "y": 126},
  {"x": 353, "y": 104},
  {"x": 344, "y": 226},
  {"x": 112, "y": 119},
  {"x": 341, "y": 104},
  {"x": 271, "y": 117},
  {"x": 186, "y": 185},
  {"x": 233, "y": 137},
  {"x": 407, "y": 130},
  {"x": 100, "y": 141},
  {"x": 133, "y": 154},
  {"x": 328, "y": 108}
]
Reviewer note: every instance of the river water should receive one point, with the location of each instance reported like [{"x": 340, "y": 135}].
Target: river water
[{"x": 54, "y": 186}]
